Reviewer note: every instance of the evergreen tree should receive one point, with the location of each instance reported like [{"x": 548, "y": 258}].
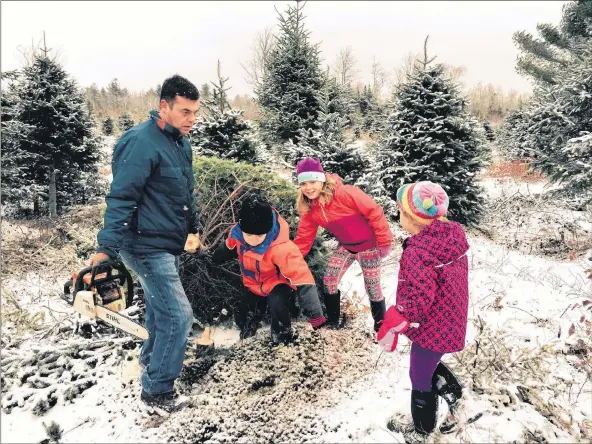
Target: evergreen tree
[
  {"x": 577, "y": 176},
  {"x": 429, "y": 135},
  {"x": 544, "y": 58},
  {"x": 52, "y": 139},
  {"x": 329, "y": 142},
  {"x": 288, "y": 93},
  {"x": 513, "y": 136},
  {"x": 205, "y": 91},
  {"x": 489, "y": 133},
  {"x": 108, "y": 126},
  {"x": 223, "y": 132},
  {"x": 558, "y": 114},
  {"x": 370, "y": 111},
  {"x": 125, "y": 122}
]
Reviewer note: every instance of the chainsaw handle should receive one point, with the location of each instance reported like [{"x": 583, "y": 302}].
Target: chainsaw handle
[
  {"x": 79, "y": 284},
  {"x": 123, "y": 276},
  {"x": 66, "y": 295}
]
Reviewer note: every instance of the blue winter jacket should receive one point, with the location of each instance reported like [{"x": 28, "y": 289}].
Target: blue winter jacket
[{"x": 150, "y": 206}]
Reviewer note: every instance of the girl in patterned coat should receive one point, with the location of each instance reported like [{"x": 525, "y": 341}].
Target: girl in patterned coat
[
  {"x": 431, "y": 307},
  {"x": 357, "y": 222}
]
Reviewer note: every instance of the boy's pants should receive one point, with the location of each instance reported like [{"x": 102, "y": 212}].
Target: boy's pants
[{"x": 251, "y": 309}]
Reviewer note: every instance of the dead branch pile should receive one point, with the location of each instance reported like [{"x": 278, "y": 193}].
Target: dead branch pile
[
  {"x": 538, "y": 224},
  {"x": 221, "y": 187}
]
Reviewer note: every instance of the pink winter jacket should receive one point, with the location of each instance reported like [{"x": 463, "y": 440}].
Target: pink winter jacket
[{"x": 433, "y": 287}]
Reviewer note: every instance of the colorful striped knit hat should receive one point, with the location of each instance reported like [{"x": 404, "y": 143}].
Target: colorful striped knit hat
[
  {"x": 423, "y": 201},
  {"x": 310, "y": 169}
]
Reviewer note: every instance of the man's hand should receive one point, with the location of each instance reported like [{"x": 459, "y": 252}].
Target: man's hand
[
  {"x": 96, "y": 258},
  {"x": 193, "y": 243}
]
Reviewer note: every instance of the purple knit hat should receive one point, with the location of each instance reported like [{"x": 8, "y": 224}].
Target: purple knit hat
[{"x": 310, "y": 169}]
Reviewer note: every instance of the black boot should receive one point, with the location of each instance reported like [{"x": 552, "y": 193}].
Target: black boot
[
  {"x": 333, "y": 305},
  {"x": 446, "y": 384},
  {"x": 378, "y": 309},
  {"x": 169, "y": 401},
  {"x": 424, "y": 410}
]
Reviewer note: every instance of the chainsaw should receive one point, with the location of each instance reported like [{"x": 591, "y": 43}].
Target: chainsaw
[{"x": 97, "y": 292}]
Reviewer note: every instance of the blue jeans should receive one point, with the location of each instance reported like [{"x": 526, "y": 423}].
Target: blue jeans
[{"x": 169, "y": 318}]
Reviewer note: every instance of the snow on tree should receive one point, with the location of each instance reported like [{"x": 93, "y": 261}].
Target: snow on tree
[
  {"x": 53, "y": 143},
  {"x": 125, "y": 122},
  {"x": 223, "y": 132},
  {"x": 329, "y": 142},
  {"x": 288, "y": 93},
  {"x": 489, "y": 133},
  {"x": 108, "y": 126},
  {"x": 559, "y": 115},
  {"x": 577, "y": 176},
  {"x": 370, "y": 111},
  {"x": 543, "y": 59},
  {"x": 429, "y": 135},
  {"x": 512, "y": 139}
]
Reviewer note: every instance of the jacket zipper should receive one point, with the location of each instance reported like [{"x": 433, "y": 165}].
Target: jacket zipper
[
  {"x": 323, "y": 211},
  {"x": 176, "y": 147}
]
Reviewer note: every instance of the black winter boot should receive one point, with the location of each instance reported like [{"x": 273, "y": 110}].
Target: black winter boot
[
  {"x": 333, "y": 305},
  {"x": 378, "y": 309},
  {"x": 446, "y": 384},
  {"x": 424, "y": 410}
]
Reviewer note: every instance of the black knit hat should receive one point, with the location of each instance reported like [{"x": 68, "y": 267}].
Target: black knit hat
[{"x": 255, "y": 215}]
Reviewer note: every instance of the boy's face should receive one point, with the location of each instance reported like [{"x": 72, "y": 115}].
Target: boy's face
[
  {"x": 408, "y": 224},
  {"x": 312, "y": 189},
  {"x": 254, "y": 239}
]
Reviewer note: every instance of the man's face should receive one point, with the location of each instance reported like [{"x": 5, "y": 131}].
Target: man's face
[{"x": 181, "y": 114}]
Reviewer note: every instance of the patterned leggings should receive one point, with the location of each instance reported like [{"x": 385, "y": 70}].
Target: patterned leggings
[{"x": 342, "y": 259}]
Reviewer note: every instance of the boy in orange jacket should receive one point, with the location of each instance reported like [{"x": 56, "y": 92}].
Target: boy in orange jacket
[{"x": 272, "y": 268}]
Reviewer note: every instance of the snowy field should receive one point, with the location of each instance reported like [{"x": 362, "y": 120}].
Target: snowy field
[{"x": 526, "y": 368}]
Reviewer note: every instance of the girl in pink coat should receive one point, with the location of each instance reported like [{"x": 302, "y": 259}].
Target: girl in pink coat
[{"x": 431, "y": 307}]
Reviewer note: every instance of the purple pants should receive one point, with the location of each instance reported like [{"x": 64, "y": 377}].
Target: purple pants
[{"x": 422, "y": 367}]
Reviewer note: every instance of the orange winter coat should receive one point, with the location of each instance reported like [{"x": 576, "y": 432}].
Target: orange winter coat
[
  {"x": 276, "y": 261},
  {"x": 354, "y": 218}
]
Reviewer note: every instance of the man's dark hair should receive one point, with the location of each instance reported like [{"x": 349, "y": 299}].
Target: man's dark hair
[{"x": 178, "y": 86}]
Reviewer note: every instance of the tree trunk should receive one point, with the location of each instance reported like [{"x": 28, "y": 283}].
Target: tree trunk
[
  {"x": 53, "y": 201},
  {"x": 36, "y": 205}
]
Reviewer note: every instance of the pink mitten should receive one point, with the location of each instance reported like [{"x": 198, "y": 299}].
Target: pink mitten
[{"x": 393, "y": 324}]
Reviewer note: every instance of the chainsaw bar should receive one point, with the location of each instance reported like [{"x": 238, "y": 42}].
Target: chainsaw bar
[{"x": 122, "y": 322}]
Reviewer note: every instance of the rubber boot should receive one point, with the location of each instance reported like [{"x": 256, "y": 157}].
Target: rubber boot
[
  {"x": 378, "y": 309},
  {"x": 446, "y": 384},
  {"x": 424, "y": 411},
  {"x": 333, "y": 305}
]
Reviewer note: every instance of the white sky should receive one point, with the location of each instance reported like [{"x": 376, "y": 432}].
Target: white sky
[{"x": 141, "y": 43}]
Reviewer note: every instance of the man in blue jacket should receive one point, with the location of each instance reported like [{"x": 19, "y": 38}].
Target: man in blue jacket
[{"x": 150, "y": 217}]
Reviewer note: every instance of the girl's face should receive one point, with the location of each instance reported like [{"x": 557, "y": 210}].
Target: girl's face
[
  {"x": 254, "y": 239},
  {"x": 408, "y": 224},
  {"x": 312, "y": 189}
]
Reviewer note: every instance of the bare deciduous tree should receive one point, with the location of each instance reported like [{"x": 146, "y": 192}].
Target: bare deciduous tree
[
  {"x": 380, "y": 78},
  {"x": 405, "y": 69},
  {"x": 345, "y": 66},
  {"x": 263, "y": 45}
]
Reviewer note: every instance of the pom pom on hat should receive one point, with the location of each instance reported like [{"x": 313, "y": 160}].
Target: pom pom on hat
[{"x": 423, "y": 201}]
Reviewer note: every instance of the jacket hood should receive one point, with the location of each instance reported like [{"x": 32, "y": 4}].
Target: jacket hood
[
  {"x": 445, "y": 241},
  {"x": 279, "y": 233}
]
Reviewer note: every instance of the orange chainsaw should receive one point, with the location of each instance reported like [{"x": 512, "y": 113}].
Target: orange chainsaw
[{"x": 98, "y": 292}]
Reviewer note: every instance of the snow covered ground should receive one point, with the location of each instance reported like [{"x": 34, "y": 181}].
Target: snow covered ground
[{"x": 526, "y": 370}]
